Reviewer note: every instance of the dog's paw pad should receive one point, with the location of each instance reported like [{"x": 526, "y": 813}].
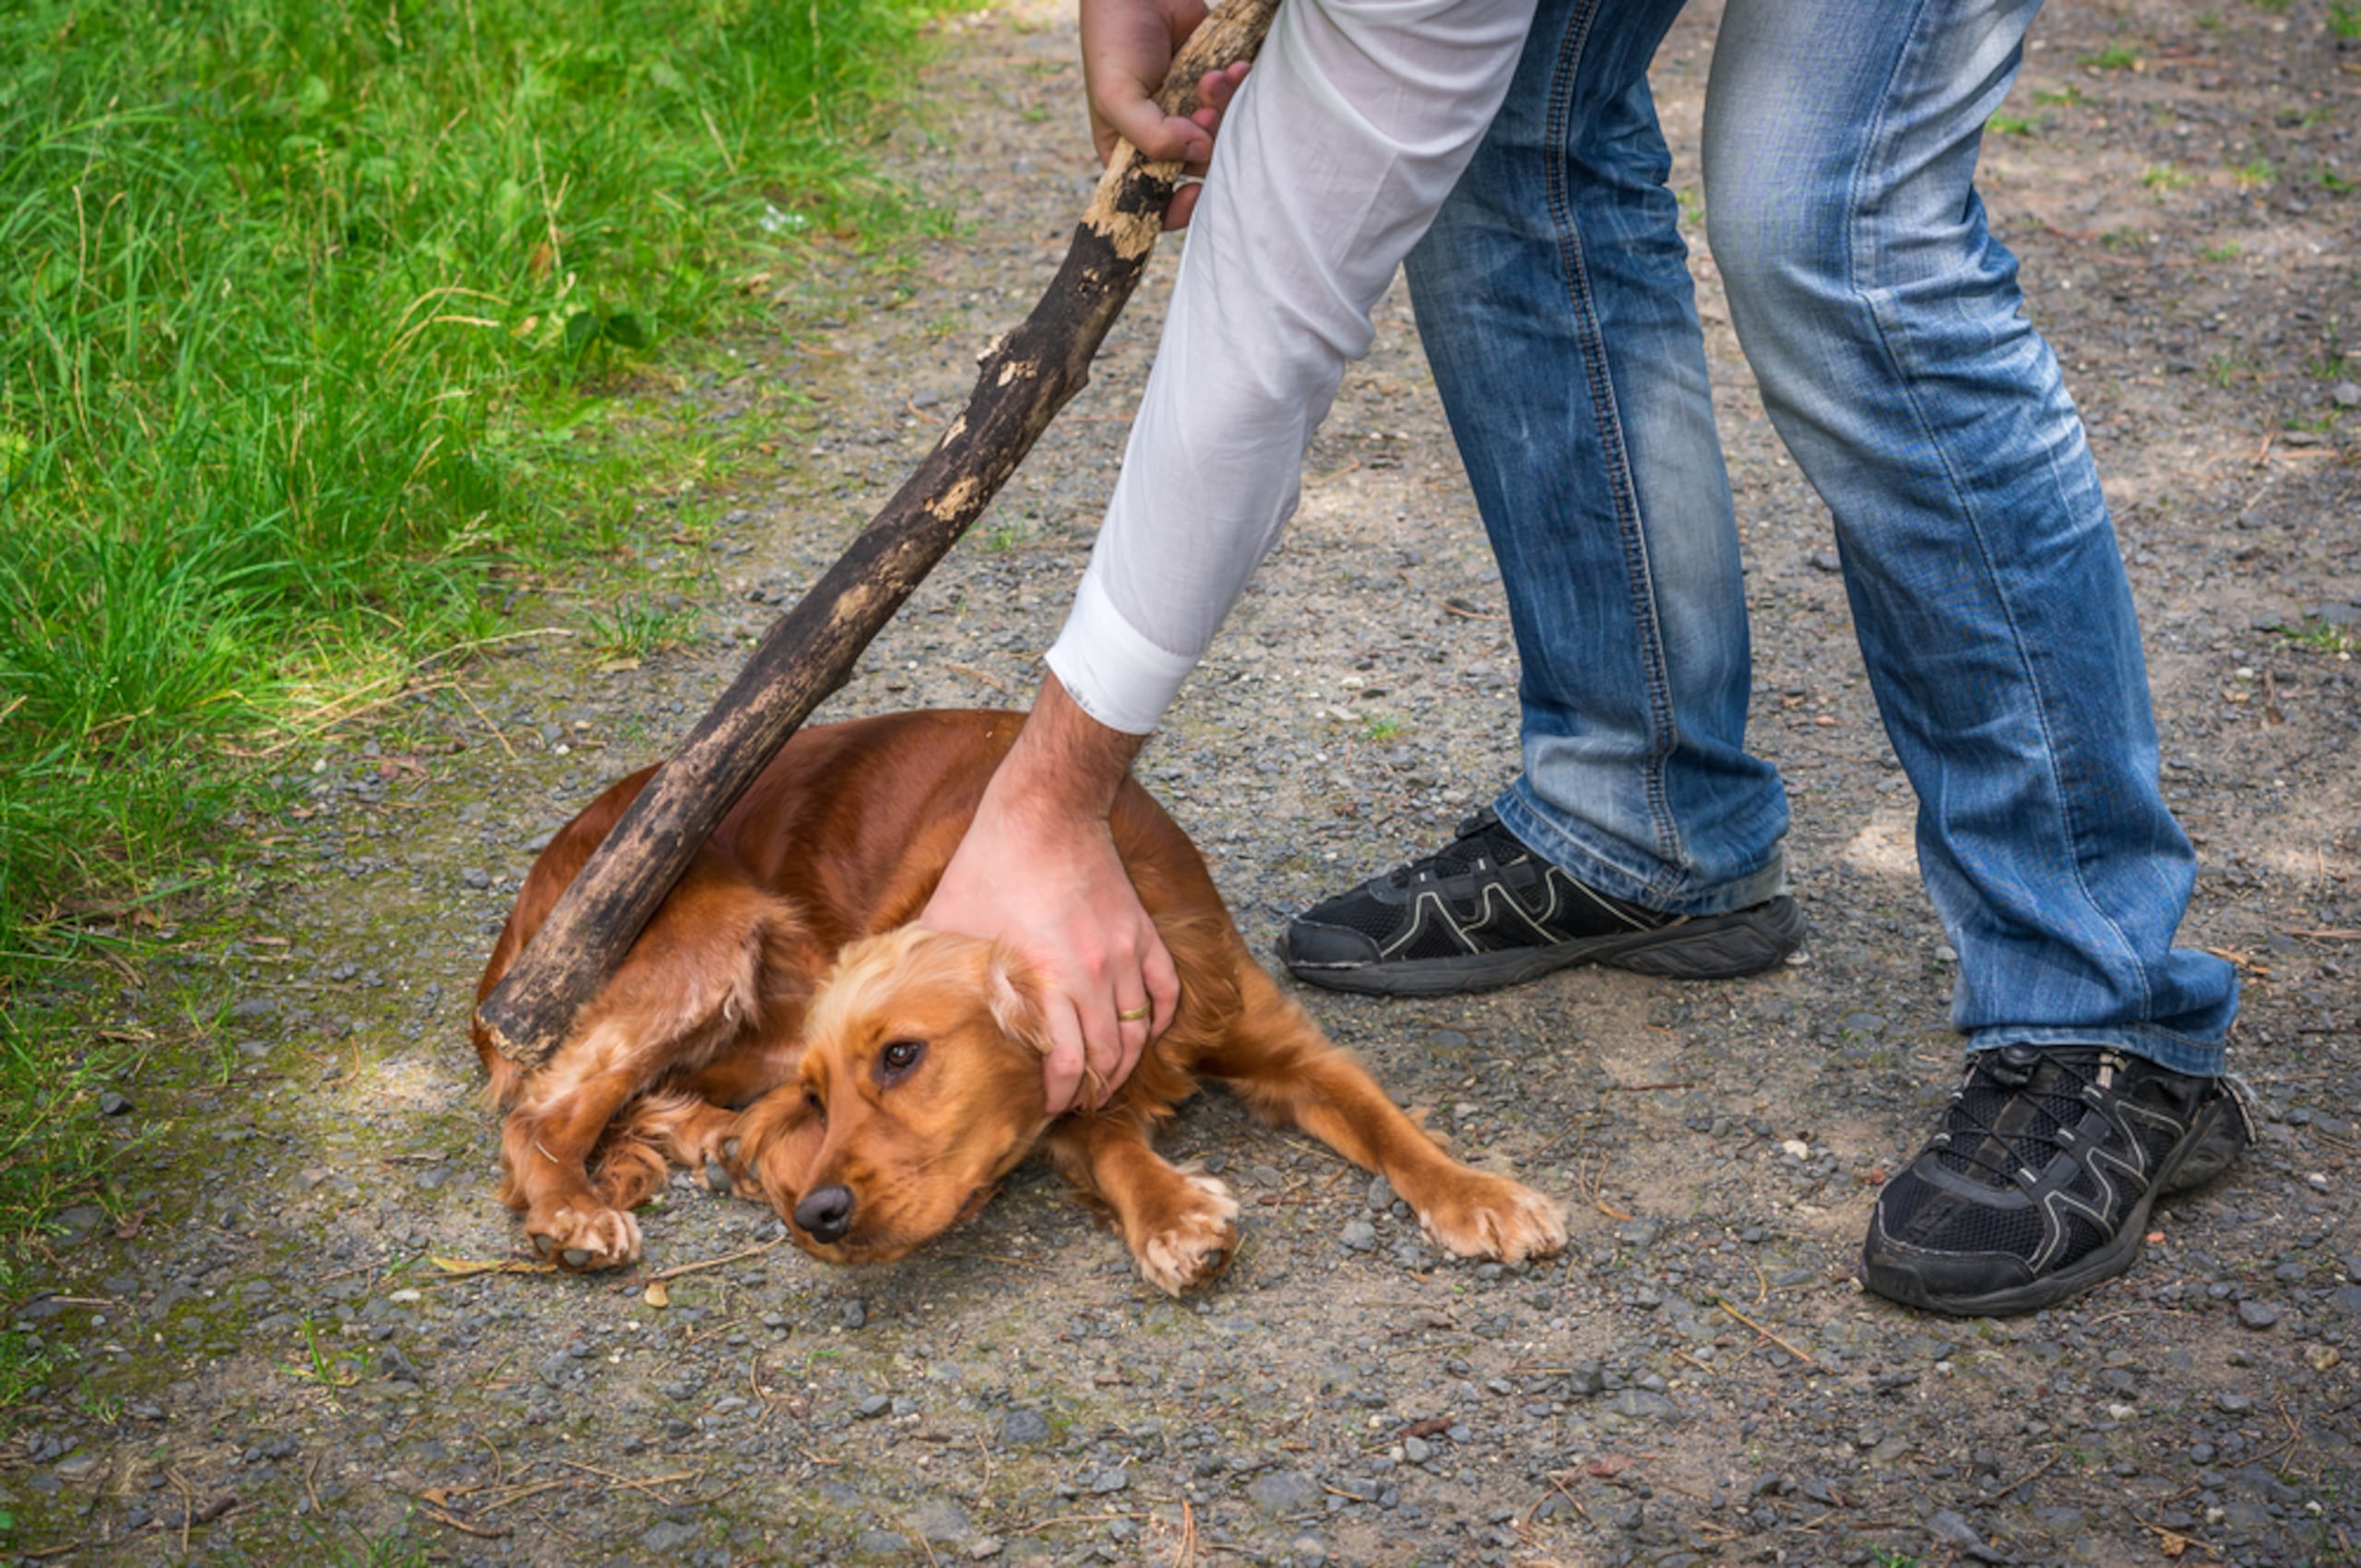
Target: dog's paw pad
[
  {"x": 1198, "y": 1246},
  {"x": 1490, "y": 1216},
  {"x": 582, "y": 1238}
]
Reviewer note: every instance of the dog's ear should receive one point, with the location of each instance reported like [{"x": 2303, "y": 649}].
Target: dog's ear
[{"x": 1014, "y": 998}]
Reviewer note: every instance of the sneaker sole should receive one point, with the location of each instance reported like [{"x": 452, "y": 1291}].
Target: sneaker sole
[
  {"x": 2214, "y": 1148},
  {"x": 1707, "y": 947}
]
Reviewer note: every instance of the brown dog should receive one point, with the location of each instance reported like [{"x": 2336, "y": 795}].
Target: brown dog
[{"x": 891, "y": 1076}]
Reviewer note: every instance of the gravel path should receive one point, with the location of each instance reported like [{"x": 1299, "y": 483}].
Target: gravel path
[{"x": 261, "y": 1360}]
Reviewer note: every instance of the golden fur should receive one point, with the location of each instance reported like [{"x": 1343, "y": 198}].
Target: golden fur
[{"x": 783, "y": 1027}]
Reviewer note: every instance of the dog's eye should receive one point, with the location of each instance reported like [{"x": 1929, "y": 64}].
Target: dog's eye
[
  {"x": 899, "y": 1056},
  {"x": 819, "y": 1107}
]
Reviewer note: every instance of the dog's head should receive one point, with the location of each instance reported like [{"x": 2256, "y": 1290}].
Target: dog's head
[{"x": 920, "y": 1087}]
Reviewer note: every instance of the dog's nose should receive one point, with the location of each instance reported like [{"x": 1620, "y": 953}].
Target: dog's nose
[{"x": 826, "y": 1214}]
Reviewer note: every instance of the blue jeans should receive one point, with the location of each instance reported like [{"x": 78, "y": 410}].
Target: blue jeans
[{"x": 1885, "y": 324}]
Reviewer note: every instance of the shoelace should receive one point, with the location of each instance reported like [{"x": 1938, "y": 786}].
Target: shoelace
[
  {"x": 1477, "y": 838},
  {"x": 2059, "y": 1103}
]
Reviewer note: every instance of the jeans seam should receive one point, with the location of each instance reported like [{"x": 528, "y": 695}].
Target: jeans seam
[
  {"x": 1622, "y": 487},
  {"x": 1859, "y": 249}
]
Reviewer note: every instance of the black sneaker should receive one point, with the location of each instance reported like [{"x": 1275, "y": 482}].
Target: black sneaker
[
  {"x": 2040, "y": 1183},
  {"x": 1488, "y": 912}
]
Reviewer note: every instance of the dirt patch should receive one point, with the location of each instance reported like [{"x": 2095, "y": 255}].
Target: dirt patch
[{"x": 260, "y": 1358}]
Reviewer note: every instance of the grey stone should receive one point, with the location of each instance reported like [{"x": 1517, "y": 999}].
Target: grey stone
[
  {"x": 2258, "y": 1315},
  {"x": 1417, "y": 1449},
  {"x": 873, "y": 1406},
  {"x": 1021, "y": 1426},
  {"x": 1111, "y": 1481},
  {"x": 880, "y": 1543},
  {"x": 942, "y": 1521},
  {"x": 79, "y": 1220},
  {"x": 1951, "y": 1528},
  {"x": 668, "y": 1535},
  {"x": 1641, "y": 1404},
  {"x": 1359, "y": 1236},
  {"x": 1380, "y": 1194},
  {"x": 113, "y": 1104},
  {"x": 1283, "y": 1492}
]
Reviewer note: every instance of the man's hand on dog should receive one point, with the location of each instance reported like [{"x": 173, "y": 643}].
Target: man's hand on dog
[
  {"x": 1039, "y": 872},
  {"x": 1127, "y": 49}
]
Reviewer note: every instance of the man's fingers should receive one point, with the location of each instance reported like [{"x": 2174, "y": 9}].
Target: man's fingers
[
  {"x": 1134, "y": 1037},
  {"x": 1136, "y": 118},
  {"x": 1062, "y": 1069},
  {"x": 1163, "y": 987}
]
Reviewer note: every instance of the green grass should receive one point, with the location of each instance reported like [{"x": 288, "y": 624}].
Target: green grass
[
  {"x": 317, "y": 316},
  {"x": 2345, "y": 18},
  {"x": 633, "y": 630},
  {"x": 2118, "y": 55},
  {"x": 2321, "y": 636}
]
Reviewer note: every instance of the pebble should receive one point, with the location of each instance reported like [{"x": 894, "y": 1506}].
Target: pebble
[
  {"x": 1359, "y": 1236},
  {"x": 667, "y": 1536},
  {"x": 2258, "y": 1315},
  {"x": 1020, "y": 1427},
  {"x": 113, "y": 1104},
  {"x": 1283, "y": 1492},
  {"x": 942, "y": 1521}
]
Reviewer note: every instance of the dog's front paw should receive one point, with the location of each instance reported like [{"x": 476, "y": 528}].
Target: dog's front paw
[
  {"x": 1197, "y": 1246},
  {"x": 1490, "y": 1216},
  {"x": 583, "y": 1235},
  {"x": 725, "y": 1173}
]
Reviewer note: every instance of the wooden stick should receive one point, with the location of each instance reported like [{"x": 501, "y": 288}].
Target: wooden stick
[{"x": 1026, "y": 377}]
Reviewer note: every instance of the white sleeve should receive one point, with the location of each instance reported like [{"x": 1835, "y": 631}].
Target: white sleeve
[{"x": 1355, "y": 123}]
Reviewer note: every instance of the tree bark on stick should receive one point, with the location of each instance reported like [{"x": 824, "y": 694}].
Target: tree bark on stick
[{"x": 1025, "y": 377}]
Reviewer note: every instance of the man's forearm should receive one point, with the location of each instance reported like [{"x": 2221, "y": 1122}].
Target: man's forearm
[
  {"x": 1331, "y": 162},
  {"x": 1065, "y": 764}
]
